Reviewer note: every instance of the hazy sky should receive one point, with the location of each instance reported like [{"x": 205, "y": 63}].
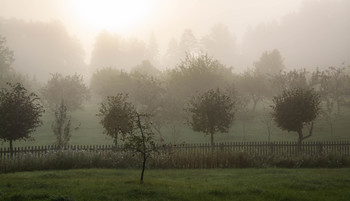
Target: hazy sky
[{"x": 139, "y": 18}]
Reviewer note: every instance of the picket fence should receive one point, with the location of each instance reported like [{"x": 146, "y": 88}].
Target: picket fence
[{"x": 257, "y": 148}]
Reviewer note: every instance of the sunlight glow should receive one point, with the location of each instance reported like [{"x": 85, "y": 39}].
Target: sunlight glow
[{"x": 113, "y": 15}]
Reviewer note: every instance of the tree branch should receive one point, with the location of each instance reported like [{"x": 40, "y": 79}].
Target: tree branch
[{"x": 310, "y": 131}]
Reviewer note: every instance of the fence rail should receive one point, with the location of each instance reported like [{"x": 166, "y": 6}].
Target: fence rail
[{"x": 257, "y": 148}]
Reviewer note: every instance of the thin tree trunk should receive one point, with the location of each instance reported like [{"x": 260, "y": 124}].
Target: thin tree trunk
[
  {"x": 116, "y": 140},
  {"x": 244, "y": 124},
  {"x": 338, "y": 107},
  {"x": 159, "y": 132},
  {"x": 255, "y": 102},
  {"x": 332, "y": 130},
  {"x": 143, "y": 147},
  {"x": 269, "y": 132},
  {"x": 212, "y": 141},
  {"x": 300, "y": 140},
  {"x": 143, "y": 166},
  {"x": 11, "y": 149}
]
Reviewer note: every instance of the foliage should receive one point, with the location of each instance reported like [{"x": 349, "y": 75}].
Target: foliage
[
  {"x": 146, "y": 92},
  {"x": 112, "y": 50},
  {"x": 109, "y": 81},
  {"x": 152, "y": 50},
  {"x": 20, "y": 113},
  {"x": 117, "y": 116},
  {"x": 211, "y": 112},
  {"x": 148, "y": 96},
  {"x": 267, "y": 120},
  {"x": 146, "y": 69},
  {"x": 141, "y": 141},
  {"x": 195, "y": 74},
  {"x": 120, "y": 116},
  {"x": 296, "y": 108},
  {"x": 221, "y": 44},
  {"x": 6, "y": 56},
  {"x": 270, "y": 63},
  {"x": 172, "y": 54},
  {"x": 253, "y": 86},
  {"x": 188, "y": 43},
  {"x": 69, "y": 88},
  {"x": 56, "y": 50},
  {"x": 7, "y": 74},
  {"x": 332, "y": 85},
  {"x": 286, "y": 80},
  {"x": 62, "y": 125}
]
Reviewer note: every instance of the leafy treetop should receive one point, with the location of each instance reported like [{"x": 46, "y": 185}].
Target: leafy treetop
[
  {"x": 296, "y": 108},
  {"x": 212, "y": 112},
  {"x": 20, "y": 113}
]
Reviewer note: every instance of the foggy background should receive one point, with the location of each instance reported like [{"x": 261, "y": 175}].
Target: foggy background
[{"x": 57, "y": 36}]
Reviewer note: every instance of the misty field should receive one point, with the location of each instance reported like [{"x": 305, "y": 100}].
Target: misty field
[{"x": 217, "y": 184}]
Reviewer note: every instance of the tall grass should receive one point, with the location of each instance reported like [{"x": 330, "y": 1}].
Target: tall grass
[{"x": 68, "y": 159}]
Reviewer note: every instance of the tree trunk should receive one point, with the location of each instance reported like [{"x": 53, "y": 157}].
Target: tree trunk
[
  {"x": 212, "y": 141},
  {"x": 11, "y": 149},
  {"x": 332, "y": 130},
  {"x": 116, "y": 140},
  {"x": 300, "y": 140},
  {"x": 143, "y": 147},
  {"x": 255, "y": 102},
  {"x": 338, "y": 106},
  {"x": 143, "y": 166},
  {"x": 159, "y": 132},
  {"x": 244, "y": 125}
]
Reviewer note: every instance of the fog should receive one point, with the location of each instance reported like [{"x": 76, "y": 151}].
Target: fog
[{"x": 82, "y": 36}]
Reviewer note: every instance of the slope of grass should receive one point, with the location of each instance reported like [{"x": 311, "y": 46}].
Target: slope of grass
[{"x": 191, "y": 185}]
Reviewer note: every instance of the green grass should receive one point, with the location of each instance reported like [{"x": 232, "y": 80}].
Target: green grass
[
  {"x": 191, "y": 185},
  {"x": 91, "y": 132}
]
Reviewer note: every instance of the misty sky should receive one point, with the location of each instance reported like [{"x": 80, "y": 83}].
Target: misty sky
[{"x": 139, "y": 18}]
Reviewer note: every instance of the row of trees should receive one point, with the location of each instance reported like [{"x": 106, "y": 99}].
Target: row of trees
[
  {"x": 200, "y": 84},
  {"x": 212, "y": 112},
  {"x": 166, "y": 95}
]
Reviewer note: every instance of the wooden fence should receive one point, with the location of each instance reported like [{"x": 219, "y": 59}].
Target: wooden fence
[
  {"x": 256, "y": 148},
  {"x": 270, "y": 148},
  {"x": 39, "y": 151}
]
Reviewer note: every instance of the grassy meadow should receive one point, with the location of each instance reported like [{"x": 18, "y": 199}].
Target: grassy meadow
[
  {"x": 191, "y": 185},
  {"x": 90, "y": 131}
]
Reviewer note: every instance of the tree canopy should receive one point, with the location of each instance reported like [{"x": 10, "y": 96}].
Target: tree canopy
[
  {"x": 6, "y": 56},
  {"x": 211, "y": 112},
  {"x": 69, "y": 88},
  {"x": 20, "y": 113},
  {"x": 270, "y": 63},
  {"x": 61, "y": 125},
  {"x": 42, "y": 48},
  {"x": 117, "y": 116},
  {"x": 296, "y": 108}
]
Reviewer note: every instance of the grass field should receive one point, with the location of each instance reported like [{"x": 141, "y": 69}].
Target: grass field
[
  {"x": 91, "y": 132},
  {"x": 191, "y": 185}
]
